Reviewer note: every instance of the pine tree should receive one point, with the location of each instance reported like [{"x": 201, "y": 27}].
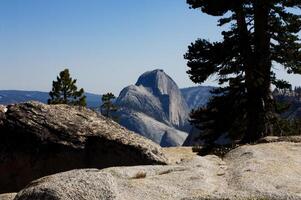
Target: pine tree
[
  {"x": 108, "y": 107},
  {"x": 297, "y": 92},
  {"x": 64, "y": 91},
  {"x": 262, "y": 33}
]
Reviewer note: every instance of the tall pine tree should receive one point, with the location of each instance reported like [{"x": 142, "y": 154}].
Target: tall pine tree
[
  {"x": 64, "y": 91},
  {"x": 262, "y": 33}
]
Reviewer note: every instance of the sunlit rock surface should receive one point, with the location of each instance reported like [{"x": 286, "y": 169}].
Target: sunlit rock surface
[{"x": 264, "y": 171}]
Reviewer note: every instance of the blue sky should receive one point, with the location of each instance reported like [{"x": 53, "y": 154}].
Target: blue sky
[{"x": 106, "y": 44}]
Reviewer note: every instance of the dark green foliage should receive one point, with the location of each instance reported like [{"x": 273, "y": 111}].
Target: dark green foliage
[
  {"x": 288, "y": 103},
  {"x": 260, "y": 33},
  {"x": 64, "y": 91},
  {"x": 288, "y": 127},
  {"x": 223, "y": 114},
  {"x": 297, "y": 93},
  {"x": 108, "y": 108}
]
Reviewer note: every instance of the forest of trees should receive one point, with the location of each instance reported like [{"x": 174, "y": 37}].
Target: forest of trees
[{"x": 258, "y": 34}]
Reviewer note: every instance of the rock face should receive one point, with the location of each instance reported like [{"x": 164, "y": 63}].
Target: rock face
[
  {"x": 155, "y": 98},
  {"x": 166, "y": 90},
  {"x": 76, "y": 184},
  {"x": 264, "y": 171},
  {"x": 38, "y": 140},
  {"x": 150, "y": 128},
  {"x": 8, "y": 196}
]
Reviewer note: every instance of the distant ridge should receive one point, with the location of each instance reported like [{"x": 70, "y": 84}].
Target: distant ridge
[{"x": 19, "y": 96}]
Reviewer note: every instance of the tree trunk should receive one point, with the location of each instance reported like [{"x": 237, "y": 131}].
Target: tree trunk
[
  {"x": 257, "y": 70},
  {"x": 260, "y": 101},
  {"x": 262, "y": 53},
  {"x": 254, "y": 105}
]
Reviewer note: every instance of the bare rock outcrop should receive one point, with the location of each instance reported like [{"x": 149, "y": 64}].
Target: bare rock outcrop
[
  {"x": 265, "y": 171},
  {"x": 38, "y": 140},
  {"x": 7, "y": 196}
]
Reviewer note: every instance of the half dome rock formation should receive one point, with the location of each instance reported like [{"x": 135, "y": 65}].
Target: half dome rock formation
[
  {"x": 150, "y": 128},
  {"x": 264, "y": 171},
  {"x": 166, "y": 90},
  {"x": 157, "y": 97},
  {"x": 38, "y": 140}
]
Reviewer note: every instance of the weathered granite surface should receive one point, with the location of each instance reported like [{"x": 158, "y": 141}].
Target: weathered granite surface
[
  {"x": 38, "y": 140},
  {"x": 7, "y": 196},
  {"x": 265, "y": 171}
]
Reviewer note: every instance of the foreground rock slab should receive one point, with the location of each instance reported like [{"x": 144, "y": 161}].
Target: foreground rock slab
[
  {"x": 7, "y": 196},
  {"x": 38, "y": 140},
  {"x": 264, "y": 171}
]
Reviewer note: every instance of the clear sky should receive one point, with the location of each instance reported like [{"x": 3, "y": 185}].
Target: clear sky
[{"x": 106, "y": 44}]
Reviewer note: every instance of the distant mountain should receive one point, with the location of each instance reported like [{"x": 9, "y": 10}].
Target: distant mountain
[
  {"x": 197, "y": 96},
  {"x": 154, "y": 107},
  {"x": 17, "y": 96},
  {"x": 151, "y": 128}
]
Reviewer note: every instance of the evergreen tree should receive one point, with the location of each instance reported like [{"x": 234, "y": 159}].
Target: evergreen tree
[
  {"x": 262, "y": 33},
  {"x": 297, "y": 92},
  {"x": 64, "y": 91},
  {"x": 108, "y": 107}
]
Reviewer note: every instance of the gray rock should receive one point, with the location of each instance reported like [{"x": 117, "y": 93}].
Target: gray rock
[
  {"x": 77, "y": 184},
  {"x": 149, "y": 127},
  {"x": 38, "y": 140},
  {"x": 264, "y": 171},
  {"x": 7, "y": 196},
  {"x": 167, "y": 91},
  {"x": 153, "y": 106},
  {"x": 268, "y": 171}
]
